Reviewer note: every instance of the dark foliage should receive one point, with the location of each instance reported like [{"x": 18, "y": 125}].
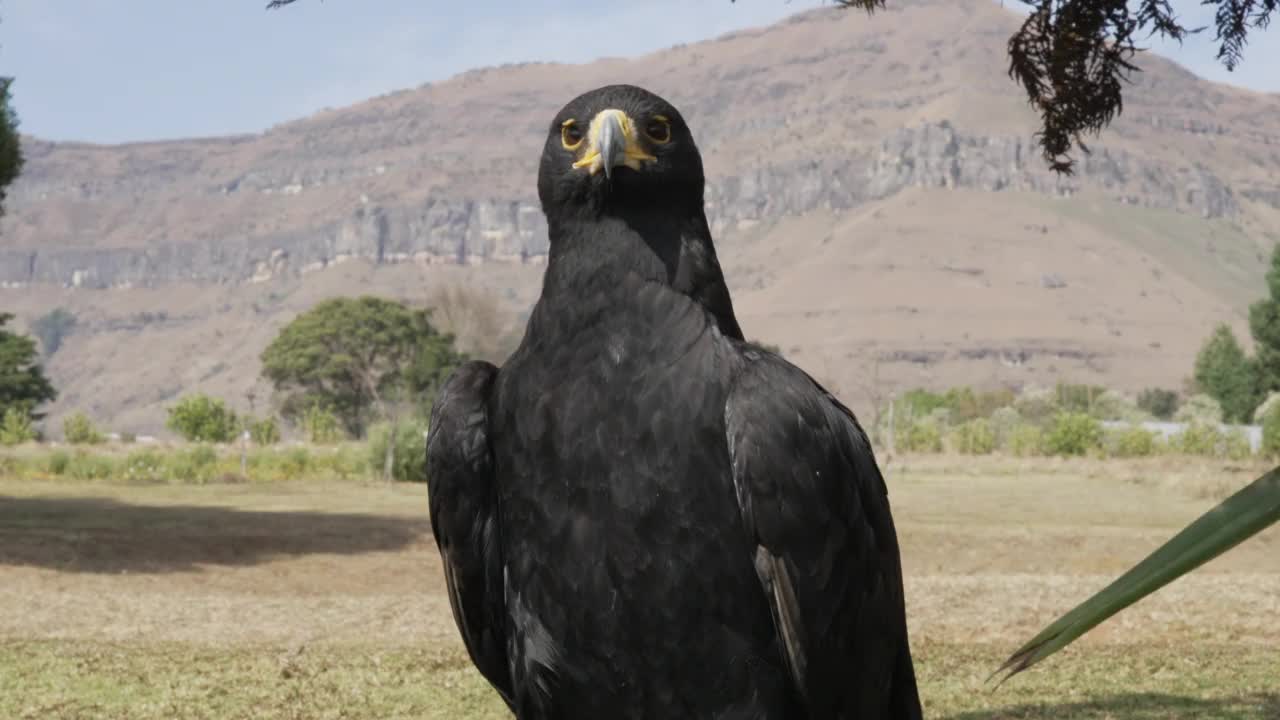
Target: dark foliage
[{"x": 10, "y": 148}]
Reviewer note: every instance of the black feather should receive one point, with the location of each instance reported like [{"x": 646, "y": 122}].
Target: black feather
[{"x": 687, "y": 527}]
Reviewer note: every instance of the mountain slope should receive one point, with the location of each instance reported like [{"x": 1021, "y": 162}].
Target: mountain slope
[{"x": 874, "y": 187}]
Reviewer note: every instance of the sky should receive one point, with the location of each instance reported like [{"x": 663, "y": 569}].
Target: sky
[{"x": 89, "y": 70}]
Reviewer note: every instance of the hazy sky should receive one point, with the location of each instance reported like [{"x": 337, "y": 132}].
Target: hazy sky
[{"x": 90, "y": 70}]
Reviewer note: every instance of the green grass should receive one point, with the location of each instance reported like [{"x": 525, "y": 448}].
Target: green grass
[{"x": 74, "y": 679}]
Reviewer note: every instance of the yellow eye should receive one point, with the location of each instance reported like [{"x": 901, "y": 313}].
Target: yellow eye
[
  {"x": 658, "y": 129},
  {"x": 570, "y": 135}
]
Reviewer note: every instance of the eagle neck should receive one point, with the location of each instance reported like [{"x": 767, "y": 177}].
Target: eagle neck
[{"x": 598, "y": 255}]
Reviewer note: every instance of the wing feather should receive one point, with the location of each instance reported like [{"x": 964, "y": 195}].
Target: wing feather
[
  {"x": 827, "y": 552},
  {"x": 463, "y": 500}
]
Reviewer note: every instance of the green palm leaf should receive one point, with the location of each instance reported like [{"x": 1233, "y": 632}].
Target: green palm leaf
[{"x": 1236, "y": 519}]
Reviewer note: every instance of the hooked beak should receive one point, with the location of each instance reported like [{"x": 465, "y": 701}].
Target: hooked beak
[{"x": 612, "y": 143}]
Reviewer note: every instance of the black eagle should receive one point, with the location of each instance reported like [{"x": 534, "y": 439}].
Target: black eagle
[{"x": 642, "y": 515}]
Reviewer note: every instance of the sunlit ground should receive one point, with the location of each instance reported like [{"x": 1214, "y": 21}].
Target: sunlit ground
[{"x": 325, "y": 600}]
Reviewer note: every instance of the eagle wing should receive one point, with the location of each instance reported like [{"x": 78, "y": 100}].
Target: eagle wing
[
  {"x": 464, "y": 518},
  {"x": 826, "y": 550}
]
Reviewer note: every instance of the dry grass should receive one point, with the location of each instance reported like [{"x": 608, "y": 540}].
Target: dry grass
[{"x": 324, "y": 600}]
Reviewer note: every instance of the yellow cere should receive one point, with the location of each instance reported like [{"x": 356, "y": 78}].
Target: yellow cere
[{"x": 633, "y": 154}]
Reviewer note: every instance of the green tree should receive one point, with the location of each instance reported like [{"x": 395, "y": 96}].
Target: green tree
[
  {"x": 1264, "y": 325},
  {"x": 200, "y": 418},
  {"x": 23, "y": 384},
  {"x": 78, "y": 429},
  {"x": 52, "y": 328},
  {"x": 1226, "y": 374},
  {"x": 10, "y": 146},
  {"x": 1161, "y": 403},
  {"x": 15, "y": 427},
  {"x": 359, "y": 357}
]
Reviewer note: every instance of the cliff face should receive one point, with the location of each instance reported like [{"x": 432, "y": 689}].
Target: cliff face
[
  {"x": 443, "y": 230},
  {"x": 873, "y": 184}
]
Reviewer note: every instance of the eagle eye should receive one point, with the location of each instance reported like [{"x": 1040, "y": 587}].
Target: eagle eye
[
  {"x": 658, "y": 129},
  {"x": 570, "y": 135}
]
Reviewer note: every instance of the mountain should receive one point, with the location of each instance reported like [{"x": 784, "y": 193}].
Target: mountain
[{"x": 879, "y": 202}]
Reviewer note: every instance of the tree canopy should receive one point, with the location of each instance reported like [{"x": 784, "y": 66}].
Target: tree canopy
[
  {"x": 1224, "y": 372},
  {"x": 358, "y": 357},
  {"x": 23, "y": 385},
  {"x": 1264, "y": 325},
  {"x": 10, "y": 148}
]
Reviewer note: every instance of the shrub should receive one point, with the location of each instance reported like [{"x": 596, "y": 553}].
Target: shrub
[
  {"x": 1271, "y": 433},
  {"x": 143, "y": 466},
  {"x": 1161, "y": 403},
  {"x": 1003, "y": 421},
  {"x": 57, "y": 463},
  {"x": 1272, "y": 402},
  {"x": 1199, "y": 408},
  {"x": 1198, "y": 439},
  {"x": 1036, "y": 405},
  {"x": 1073, "y": 433},
  {"x": 975, "y": 437},
  {"x": 1073, "y": 398},
  {"x": 1113, "y": 405},
  {"x": 1235, "y": 445},
  {"x": 296, "y": 463},
  {"x": 200, "y": 418},
  {"x": 196, "y": 465},
  {"x": 16, "y": 427},
  {"x": 1130, "y": 442},
  {"x": 1025, "y": 440},
  {"x": 78, "y": 429},
  {"x": 264, "y": 432},
  {"x": 919, "y": 403},
  {"x": 922, "y": 436},
  {"x": 410, "y": 456},
  {"x": 321, "y": 425},
  {"x": 966, "y": 405},
  {"x": 89, "y": 466}
]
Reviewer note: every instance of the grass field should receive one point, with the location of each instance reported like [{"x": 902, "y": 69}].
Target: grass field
[{"x": 325, "y": 599}]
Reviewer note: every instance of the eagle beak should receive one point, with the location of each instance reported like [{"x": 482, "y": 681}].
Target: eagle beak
[{"x": 612, "y": 143}]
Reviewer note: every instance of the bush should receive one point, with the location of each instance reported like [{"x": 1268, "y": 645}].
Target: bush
[
  {"x": 410, "y": 454},
  {"x": 922, "y": 436},
  {"x": 200, "y": 418},
  {"x": 975, "y": 437},
  {"x": 1131, "y": 442},
  {"x": 1074, "y": 433},
  {"x": 321, "y": 425},
  {"x": 143, "y": 466},
  {"x": 919, "y": 403},
  {"x": 58, "y": 463},
  {"x": 1003, "y": 421},
  {"x": 1036, "y": 405},
  {"x": 88, "y": 466},
  {"x": 78, "y": 429},
  {"x": 1161, "y": 403},
  {"x": 264, "y": 432},
  {"x": 1199, "y": 408},
  {"x": 1113, "y": 405},
  {"x": 1074, "y": 398},
  {"x": 16, "y": 427},
  {"x": 1270, "y": 403},
  {"x": 1235, "y": 445},
  {"x": 196, "y": 465},
  {"x": 1271, "y": 433},
  {"x": 966, "y": 405},
  {"x": 1198, "y": 439},
  {"x": 1025, "y": 441}
]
